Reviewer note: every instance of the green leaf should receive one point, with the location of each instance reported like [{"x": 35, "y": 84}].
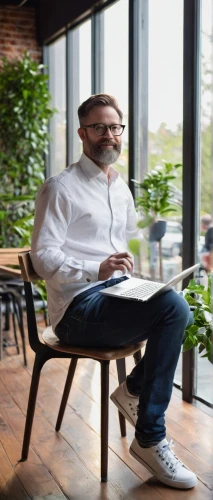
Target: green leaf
[
  {"x": 206, "y": 296},
  {"x": 188, "y": 344},
  {"x": 193, "y": 329},
  {"x": 25, "y": 93},
  {"x": 134, "y": 247},
  {"x": 145, "y": 222}
]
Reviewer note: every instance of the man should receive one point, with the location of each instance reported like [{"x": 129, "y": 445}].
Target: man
[{"x": 84, "y": 218}]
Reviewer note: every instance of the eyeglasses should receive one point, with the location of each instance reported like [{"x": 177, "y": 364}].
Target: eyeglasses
[{"x": 101, "y": 128}]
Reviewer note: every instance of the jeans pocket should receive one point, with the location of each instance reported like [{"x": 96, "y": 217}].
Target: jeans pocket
[{"x": 71, "y": 331}]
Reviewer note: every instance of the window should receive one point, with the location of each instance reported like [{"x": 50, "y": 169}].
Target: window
[
  {"x": 116, "y": 68},
  {"x": 152, "y": 101},
  {"x": 79, "y": 83},
  {"x": 57, "y": 87},
  {"x": 164, "y": 122},
  {"x": 165, "y": 118},
  {"x": 85, "y": 61},
  {"x": 204, "y": 369}
]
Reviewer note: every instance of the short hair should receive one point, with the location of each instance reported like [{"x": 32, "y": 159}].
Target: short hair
[
  {"x": 98, "y": 100},
  {"x": 206, "y": 219}
]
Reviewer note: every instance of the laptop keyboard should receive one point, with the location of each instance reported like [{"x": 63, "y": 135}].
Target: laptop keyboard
[{"x": 142, "y": 290}]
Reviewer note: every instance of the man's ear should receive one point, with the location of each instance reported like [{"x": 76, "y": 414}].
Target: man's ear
[{"x": 82, "y": 134}]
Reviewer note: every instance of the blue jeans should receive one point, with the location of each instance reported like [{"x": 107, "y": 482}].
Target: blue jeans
[{"x": 95, "y": 320}]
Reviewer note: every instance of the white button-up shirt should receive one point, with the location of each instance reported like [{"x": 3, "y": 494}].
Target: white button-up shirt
[{"x": 81, "y": 219}]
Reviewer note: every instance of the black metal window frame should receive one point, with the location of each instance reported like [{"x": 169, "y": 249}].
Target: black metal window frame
[
  {"x": 191, "y": 160},
  {"x": 138, "y": 89},
  {"x": 97, "y": 49},
  {"x": 45, "y": 57},
  {"x": 72, "y": 90}
]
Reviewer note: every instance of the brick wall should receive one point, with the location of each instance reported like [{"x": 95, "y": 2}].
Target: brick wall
[{"x": 18, "y": 33}]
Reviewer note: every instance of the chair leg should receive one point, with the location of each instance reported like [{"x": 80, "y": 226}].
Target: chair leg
[
  {"x": 121, "y": 369},
  {"x": 66, "y": 392},
  {"x": 137, "y": 356},
  {"x": 19, "y": 315},
  {"x": 31, "y": 408},
  {"x": 46, "y": 317},
  {"x": 104, "y": 419},
  {"x": 1, "y": 335},
  {"x": 7, "y": 317},
  {"x": 15, "y": 332}
]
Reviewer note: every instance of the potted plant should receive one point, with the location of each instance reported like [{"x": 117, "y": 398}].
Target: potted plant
[{"x": 157, "y": 196}]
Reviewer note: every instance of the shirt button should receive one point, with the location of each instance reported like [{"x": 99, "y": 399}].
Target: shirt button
[{"x": 88, "y": 280}]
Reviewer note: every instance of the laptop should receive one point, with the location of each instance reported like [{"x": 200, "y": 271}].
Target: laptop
[{"x": 143, "y": 290}]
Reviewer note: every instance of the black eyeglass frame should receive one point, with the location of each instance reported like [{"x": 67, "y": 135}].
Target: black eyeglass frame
[{"x": 93, "y": 125}]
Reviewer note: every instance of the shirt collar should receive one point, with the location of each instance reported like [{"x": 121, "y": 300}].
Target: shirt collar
[{"x": 92, "y": 170}]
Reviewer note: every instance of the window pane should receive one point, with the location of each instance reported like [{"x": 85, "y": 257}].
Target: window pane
[
  {"x": 57, "y": 86},
  {"x": 79, "y": 82},
  {"x": 204, "y": 372},
  {"x": 165, "y": 117},
  {"x": 165, "y": 120},
  {"x": 116, "y": 68},
  {"x": 85, "y": 61},
  {"x": 165, "y": 103}
]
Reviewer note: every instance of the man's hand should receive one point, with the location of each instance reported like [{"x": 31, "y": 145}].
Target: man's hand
[{"x": 116, "y": 262}]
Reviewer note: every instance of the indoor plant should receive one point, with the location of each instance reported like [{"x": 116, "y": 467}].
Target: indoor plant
[
  {"x": 200, "y": 333},
  {"x": 156, "y": 193},
  {"x": 25, "y": 110},
  {"x": 156, "y": 198}
]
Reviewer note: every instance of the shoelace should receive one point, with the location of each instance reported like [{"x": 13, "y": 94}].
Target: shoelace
[
  {"x": 134, "y": 408},
  {"x": 165, "y": 453}
]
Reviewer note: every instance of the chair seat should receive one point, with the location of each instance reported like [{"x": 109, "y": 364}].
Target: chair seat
[{"x": 103, "y": 354}]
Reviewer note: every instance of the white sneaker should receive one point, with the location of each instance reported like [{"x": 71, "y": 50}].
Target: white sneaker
[
  {"x": 163, "y": 463},
  {"x": 126, "y": 403}
]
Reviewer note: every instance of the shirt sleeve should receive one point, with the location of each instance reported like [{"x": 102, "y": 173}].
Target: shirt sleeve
[
  {"x": 132, "y": 230},
  {"x": 53, "y": 214}
]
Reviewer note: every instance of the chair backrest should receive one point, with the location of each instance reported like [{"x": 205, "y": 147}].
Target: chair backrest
[
  {"x": 29, "y": 275},
  {"x": 27, "y": 269}
]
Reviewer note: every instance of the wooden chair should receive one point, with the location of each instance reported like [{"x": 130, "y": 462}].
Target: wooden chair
[
  {"x": 11, "y": 287},
  {"x": 10, "y": 303},
  {"x": 13, "y": 306},
  {"x": 53, "y": 348}
]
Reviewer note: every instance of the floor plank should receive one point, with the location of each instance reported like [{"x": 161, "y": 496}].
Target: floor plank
[
  {"x": 10, "y": 486},
  {"x": 79, "y": 401},
  {"x": 67, "y": 464},
  {"x": 33, "y": 475},
  {"x": 194, "y": 456}
]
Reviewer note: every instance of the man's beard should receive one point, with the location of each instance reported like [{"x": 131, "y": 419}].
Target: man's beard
[{"x": 104, "y": 155}]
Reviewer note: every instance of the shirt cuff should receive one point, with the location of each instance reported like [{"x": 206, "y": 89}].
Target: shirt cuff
[{"x": 91, "y": 270}]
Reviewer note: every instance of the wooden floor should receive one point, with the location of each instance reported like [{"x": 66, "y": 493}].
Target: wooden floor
[{"x": 67, "y": 464}]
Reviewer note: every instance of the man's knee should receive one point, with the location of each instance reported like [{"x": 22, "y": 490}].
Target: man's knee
[{"x": 180, "y": 307}]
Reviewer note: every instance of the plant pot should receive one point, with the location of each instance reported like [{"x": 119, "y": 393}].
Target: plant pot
[{"x": 157, "y": 230}]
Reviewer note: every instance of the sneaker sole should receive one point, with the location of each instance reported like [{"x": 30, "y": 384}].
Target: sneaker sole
[
  {"x": 121, "y": 409},
  {"x": 163, "y": 479}
]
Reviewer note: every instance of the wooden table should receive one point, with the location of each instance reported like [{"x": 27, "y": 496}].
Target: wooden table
[{"x": 9, "y": 256}]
